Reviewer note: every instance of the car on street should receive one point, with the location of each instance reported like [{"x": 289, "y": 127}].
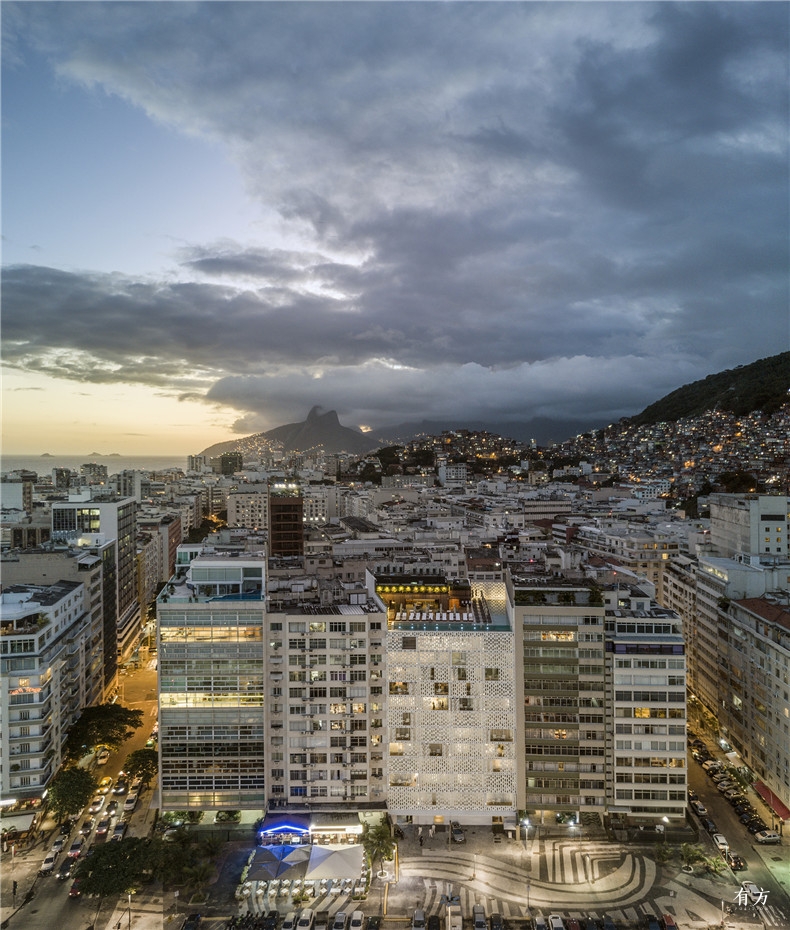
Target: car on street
[
  {"x": 136, "y": 785},
  {"x": 48, "y": 865},
  {"x": 192, "y": 922},
  {"x": 572, "y": 924},
  {"x": 699, "y": 808},
  {"x": 76, "y": 847},
  {"x": 718, "y": 776},
  {"x": 103, "y": 756},
  {"x": 105, "y": 784},
  {"x": 711, "y": 766},
  {"x": 340, "y": 921},
  {"x": 734, "y": 796},
  {"x": 757, "y": 826},
  {"x": 668, "y": 922},
  {"x": 289, "y": 921},
  {"x": 87, "y": 826},
  {"x": 357, "y": 920},
  {"x": 130, "y": 803},
  {"x": 103, "y": 826},
  {"x": 651, "y": 923},
  {"x": 65, "y": 869},
  {"x": 121, "y": 786},
  {"x": 720, "y": 842},
  {"x": 112, "y": 809},
  {"x": 58, "y": 845},
  {"x": 434, "y": 923},
  {"x": 74, "y": 891},
  {"x": 710, "y": 826},
  {"x": 736, "y": 863},
  {"x": 457, "y": 833},
  {"x": 744, "y": 807},
  {"x": 752, "y": 892},
  {"x": 496, "y": 921},
  {"x": 556, "y": 922},
  {"x": 768, "y": 838},
  {"x": 119, "y": 832},
  {"x": 693, "y": 796},
  {"x": 96, "y": 804}
]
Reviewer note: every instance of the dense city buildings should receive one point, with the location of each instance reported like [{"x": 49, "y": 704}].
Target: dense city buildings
[{"x": 479, "y": 631}]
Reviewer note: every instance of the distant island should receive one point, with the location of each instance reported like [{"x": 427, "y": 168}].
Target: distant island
[{"x": 47, "y": 455}]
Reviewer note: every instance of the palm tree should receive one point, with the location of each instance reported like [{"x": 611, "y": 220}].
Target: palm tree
[
  {"x": 378, "y": 842},
  {"x": 198, "y": 876}
]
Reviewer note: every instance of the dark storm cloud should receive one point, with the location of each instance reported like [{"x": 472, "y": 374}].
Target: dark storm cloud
[{"x": 509, "y": 209}]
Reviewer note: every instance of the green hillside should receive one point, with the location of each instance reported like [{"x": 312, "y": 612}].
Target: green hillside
[{"x": 762, "y": 385}]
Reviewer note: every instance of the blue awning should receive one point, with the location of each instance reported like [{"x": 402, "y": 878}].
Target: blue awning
[{"x": 283, "y": 822}]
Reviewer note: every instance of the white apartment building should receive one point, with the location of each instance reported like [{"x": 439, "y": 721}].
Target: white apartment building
[
  {"x": 248, "y": 506},
  {"x": 325, "y": 706},
  {"x": 749, "y": 523},
  {"x": 646, "y": 709},
  {"x": 451, "y": 708},
  {"x": 44, "y": 651}
]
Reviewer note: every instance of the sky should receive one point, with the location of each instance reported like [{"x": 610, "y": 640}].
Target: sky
[{"x": 216, "y": 216}]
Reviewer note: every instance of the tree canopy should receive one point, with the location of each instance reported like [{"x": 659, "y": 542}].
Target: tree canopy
[
  {"x": 142, "y": 764},
  {"x": 70, "y": 790},
  {"x": 101, "y": 725},
  {"x": 116, "y": 868}
]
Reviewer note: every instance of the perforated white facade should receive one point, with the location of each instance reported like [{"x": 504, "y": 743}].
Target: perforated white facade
[{"x": 452, "y": 722}]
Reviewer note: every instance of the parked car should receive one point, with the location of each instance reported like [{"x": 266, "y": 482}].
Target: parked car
[
  {"x": 65, "y": 869},
  {"x": 58, "y": 845},
  {"x": 96, "y": 804},
  {"x": 720, "y": 842},
  {"x": 103, "y": 826},
  {"x": 711, "y": 766},
  {"x": 136, "y": 785},
  {"x": 757, "y": 826},
  {"x": 693, "y": 796},
  {"x": 736, "y": 863},
  {"x": 357, "y": 920},
  {"x": 710, "y": 826},
  {"x": 341, "y": 920},
  {"x": 479, "y": 921},
  {"x": 668, "y": 922},
  {"x": 768, "y": 837},
  {"x": 572, "y": 924},
  {"x": 48, "y": 865},
  {"x": 699, "y": 808},
  {"x": 130, "y": 803},
  {"x": 192, "y": 922},
  {"x": 103, "y": 756},
  {"x": 556, "y": 922},
  {"x": 496, "y": 922},
  {"x": 289, "y": 922},
  {"x": 120, "y": 831},
  {"x": 457, "y": 832},
  {"x": 74, "y": 891},
  {"x": 652, "y": 923},
  {"x": 608, "y": 923},
  {"x": 734, "y": 796}
]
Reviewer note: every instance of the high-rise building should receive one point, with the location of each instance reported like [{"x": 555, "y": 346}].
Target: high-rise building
[
  {"x": 78, "y": 522},
  {"x": 212, "y": 666},
  {"x": 286, "y": 520},
  {"x": 560, "y": 662},
  {"x": 44, "y": 645}
]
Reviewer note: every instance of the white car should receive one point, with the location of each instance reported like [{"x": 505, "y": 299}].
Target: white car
[
  {"x": 754, "y": 893},
  {"x": 130, "y": 803},
  {"x": 720, "y": 841},
  {"x": 49, "y": 863},
  {"x": 768, "y": 837},
  {"x": 103, "y": 756}
]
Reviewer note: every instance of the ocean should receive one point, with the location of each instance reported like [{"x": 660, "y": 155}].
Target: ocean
[{"x": 43, "y": 464}]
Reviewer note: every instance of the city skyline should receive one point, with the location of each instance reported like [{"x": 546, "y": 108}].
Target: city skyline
[{"x": 218, "y": 215}]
